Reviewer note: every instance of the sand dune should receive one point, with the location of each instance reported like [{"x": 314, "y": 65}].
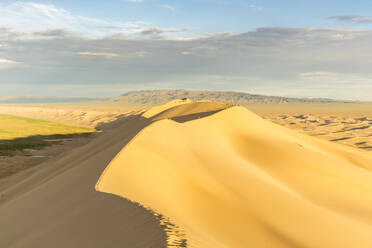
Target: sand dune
[
  {"x": 233, "y": 179},
  {"x": 55, "y": 204}
]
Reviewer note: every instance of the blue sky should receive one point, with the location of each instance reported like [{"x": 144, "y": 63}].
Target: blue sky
[
  {"x": 222, "y": 15},
  {"x": 103, "y": 48}
]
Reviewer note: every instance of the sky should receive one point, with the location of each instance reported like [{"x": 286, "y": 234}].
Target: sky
[{"x": 95, "y": 48}]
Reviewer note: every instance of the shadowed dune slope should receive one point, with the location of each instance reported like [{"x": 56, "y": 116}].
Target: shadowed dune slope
[
  {"x": 55, "y": 204},
  {"x": 189, "y": 111},
  {"x": 233, "y": 179}
]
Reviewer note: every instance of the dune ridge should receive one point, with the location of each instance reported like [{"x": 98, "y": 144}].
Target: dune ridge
[
  {"x": 160, "y": 108},
  {"x": 233, "y": 179}
]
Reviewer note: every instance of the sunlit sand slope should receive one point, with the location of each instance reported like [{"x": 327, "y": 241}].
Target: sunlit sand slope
[
  {"x": 235, "y": 180},
  {"x": 160, "y": 108}
]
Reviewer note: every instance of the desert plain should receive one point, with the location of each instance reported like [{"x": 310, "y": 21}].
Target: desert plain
[{"x": 190, "y": 173}]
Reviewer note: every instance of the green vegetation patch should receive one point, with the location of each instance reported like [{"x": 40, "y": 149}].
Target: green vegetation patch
[{"x": 19, "y": 133}]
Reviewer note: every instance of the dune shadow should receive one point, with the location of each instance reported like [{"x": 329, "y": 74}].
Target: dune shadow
[
  {"x": 22, "y": 147},
  {"x": 365, "y": 147},
  {"x": 89, "y": 218},
  {"x": 176, "y": 238},
  {"x": 362, "y": 119},
  {"x": 360, "y": 143},
  {"x": 190, "y": 117},
  {"x": 340, "y": 139},
  {"x": 303, "y": 117},
  {"x": 284, "y": 239},
  {"x": 352, "y": 129}
]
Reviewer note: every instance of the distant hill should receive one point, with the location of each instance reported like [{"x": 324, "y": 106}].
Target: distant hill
[
  {"x": 29, "y": 99},
  {"x": 158, "y": 97},
  {"x": 155, "y": 97}
]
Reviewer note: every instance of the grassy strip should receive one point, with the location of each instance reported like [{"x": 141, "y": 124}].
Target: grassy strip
[
  {"x": 11, "y": 147},
  {"x": 19, "y": 133}
]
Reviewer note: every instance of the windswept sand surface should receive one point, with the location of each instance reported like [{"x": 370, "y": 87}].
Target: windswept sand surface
[
  {"x": 348, "y": 130},
  {"x": 233, "y": 179},
  {"x": 348, "y": 124}
]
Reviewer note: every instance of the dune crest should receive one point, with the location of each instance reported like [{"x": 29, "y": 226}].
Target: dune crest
[
  {"x": 233, "y": 179},
  {"x": 160, "y": 108}
]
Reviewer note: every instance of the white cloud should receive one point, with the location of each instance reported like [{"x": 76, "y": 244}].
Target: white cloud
[
  {"x": 353, "y": 19},
  {"x": 112, "y": 55},
  {"x": 159, "y": 31},
  {"x": 317, "y": 74},
  {"x": 141, "y": 54},
  {"x": 344, "y": 36},
  {"x": 256, "y": 7},
  {"x": 337, "y": 77},
  {"x": 100, "y": 54},
  {"x": 270, "y": 60},
  {"x": 6, "y": 63},
  {"x": 31, "y": 17},
  {"x": 169, "y": 7},
  {"x": 35, "y": 20}
]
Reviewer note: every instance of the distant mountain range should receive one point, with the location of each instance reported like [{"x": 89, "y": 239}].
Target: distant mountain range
[
  {"x": 155, "y": 97},
  {"x": 29, "y": 99}
]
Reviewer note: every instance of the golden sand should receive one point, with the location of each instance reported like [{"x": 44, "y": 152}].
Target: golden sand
[
  {"x": 233, "y": 179},
  {"x": 158, "y": 109}
]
